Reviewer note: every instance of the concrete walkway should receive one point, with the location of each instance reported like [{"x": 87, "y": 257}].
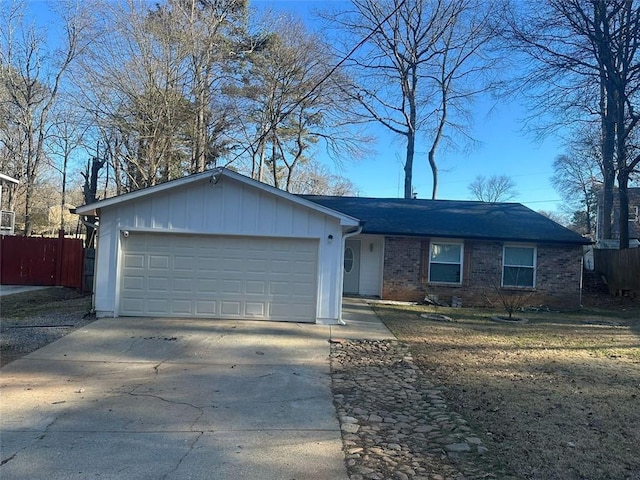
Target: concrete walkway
[{"x": 178, "y": 399}]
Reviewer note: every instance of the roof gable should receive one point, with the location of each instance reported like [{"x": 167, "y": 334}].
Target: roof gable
[
  {"x": 451, "y": 219},
  {"x": 213, "y": 176}
]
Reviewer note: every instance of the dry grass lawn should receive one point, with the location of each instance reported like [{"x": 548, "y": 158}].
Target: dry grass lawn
[{"x": 556, "y": 398}]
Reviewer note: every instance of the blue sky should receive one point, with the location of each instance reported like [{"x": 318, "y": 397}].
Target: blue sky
[{"x": 503, "y": 148}]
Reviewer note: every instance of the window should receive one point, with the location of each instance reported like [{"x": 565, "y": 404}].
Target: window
[
  {"x": 445, "y": 262},
  {"x": 348, "y": 260},
  {"x": 633, "y": 214},
  {"x": 518, "y": 266}
]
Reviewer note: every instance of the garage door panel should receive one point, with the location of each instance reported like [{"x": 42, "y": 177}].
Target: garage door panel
[
  {"x": 256, "y": 287},
  {"x": 279, "y": 288},
  {"x": 134, "y": 261},
  {"x": 256, "y": 265},
  {"x": 158, "y": 284},
  {"x": 300, "y": 288},
  {"x": 208, "y": 263},
  {"x": 232, "y": 265},
  {"x": 206, "y": 307},
  {"x": 159, "y": 262},
  {"x": 277, "y": 309},
  {"x": 157, "y": 306},
  {"x": 230, "y": 308},
  {"x": 183, "y": 285},
  {"x": 233, "y": 287},
  {"x": 133, "y": 306},
  {"x": 182, "y": 262},
  {"x": 181, "y": 307},
  {"x": 206, "y": 285},
  {"x": 218, "y": 276},
  {"x": 134, "y": 283},
  {"x": 253, "y": 309}
]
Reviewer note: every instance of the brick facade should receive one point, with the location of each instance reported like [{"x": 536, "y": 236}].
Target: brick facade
[{"x": 406, "y": 261}]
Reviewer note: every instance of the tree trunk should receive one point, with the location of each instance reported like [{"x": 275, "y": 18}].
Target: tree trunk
[
  {"x": 408, "y": 165},
  {"x": 623, "y": 221},
  {"x": 434, "y": 146}
]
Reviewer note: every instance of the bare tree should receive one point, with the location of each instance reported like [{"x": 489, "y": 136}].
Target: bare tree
[
  {"x": 584, "y": 62},
  {"x": 291, "y": 102},
  {"x": 420, "y": 67},
  {"x": 67, "y": 136},
  {"x": 496, "y": 188},
  {"x": 31, "y": 76},
  {"x": 132, "y": 88},
  {"x": 577, "y": 177},
  {"x": 212, "y": 35},
  {"x": 316, "y": 179},
  {"x": 154, "y": 86}
]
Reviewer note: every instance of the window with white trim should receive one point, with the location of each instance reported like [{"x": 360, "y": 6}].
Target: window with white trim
[
  {"x": 518, "y": 266},
  {"x": 445, "y": 262},
  {"x": 634, "y": 214}
]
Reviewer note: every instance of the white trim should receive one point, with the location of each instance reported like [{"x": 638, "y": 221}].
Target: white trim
[
  {"x": 439, "y": 241},
  {"x": 173, "y": 231},
  {"x": 534, "y": 266},
  {"x": 7, "y": 178},
  {"x": 214, "y": 176}
]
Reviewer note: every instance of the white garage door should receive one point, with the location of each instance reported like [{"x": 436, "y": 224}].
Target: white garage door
[{"x": 218, "y": 277}]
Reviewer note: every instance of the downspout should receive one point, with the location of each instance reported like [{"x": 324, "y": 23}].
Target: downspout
[{"x": 346, "y": 235}]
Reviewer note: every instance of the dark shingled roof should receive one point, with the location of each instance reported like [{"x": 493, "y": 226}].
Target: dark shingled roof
[{"x": 451, "y": 219}]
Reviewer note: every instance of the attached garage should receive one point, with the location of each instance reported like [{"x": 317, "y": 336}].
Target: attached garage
[
  {"x": 219, "y": 245},
  {"x": 262, "y": 278}
]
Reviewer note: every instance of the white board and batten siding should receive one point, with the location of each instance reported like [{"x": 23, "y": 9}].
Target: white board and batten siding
[{"x": 255, "y": 239}]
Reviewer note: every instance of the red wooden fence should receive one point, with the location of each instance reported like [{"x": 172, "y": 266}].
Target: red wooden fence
[{"x": 41, "y": 261}]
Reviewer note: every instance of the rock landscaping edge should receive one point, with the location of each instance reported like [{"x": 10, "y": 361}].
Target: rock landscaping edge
[{"x": 395, "y": 423}]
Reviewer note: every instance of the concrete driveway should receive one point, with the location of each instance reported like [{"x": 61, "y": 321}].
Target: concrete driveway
[{"x": 178, "y": 399}]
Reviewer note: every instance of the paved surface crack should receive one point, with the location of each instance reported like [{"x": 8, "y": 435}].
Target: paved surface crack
[
  {"x": 183, "y": 457},
  {"x": 173, "y": 402}
]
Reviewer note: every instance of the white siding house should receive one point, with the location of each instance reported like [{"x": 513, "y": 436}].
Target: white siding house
[{"x": 219, "y": 245}]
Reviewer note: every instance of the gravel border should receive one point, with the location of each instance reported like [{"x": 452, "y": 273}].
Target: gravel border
[
  {"x": 21, "y": 336},
  {"x": 395, "y": 423}
]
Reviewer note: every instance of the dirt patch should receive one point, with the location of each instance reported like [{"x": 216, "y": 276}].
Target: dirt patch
[
  {"x": 31, "y": 320},
  {"x": 555, "y": 398}
]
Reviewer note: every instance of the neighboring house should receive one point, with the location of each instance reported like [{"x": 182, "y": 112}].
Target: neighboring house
[
  {"x": 7, "y": 217},
  {"x": 470, "y": 250},
  {"x": 634, "y": 221},
  {"x": 221, "y": 245}
]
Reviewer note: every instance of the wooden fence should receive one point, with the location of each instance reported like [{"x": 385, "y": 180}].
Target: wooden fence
[
  {"x": 41, "y": 261},
  {"x": 621, "y": 268}
]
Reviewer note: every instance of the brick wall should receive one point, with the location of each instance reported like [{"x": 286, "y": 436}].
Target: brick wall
[{"x": 406, "y": 273}]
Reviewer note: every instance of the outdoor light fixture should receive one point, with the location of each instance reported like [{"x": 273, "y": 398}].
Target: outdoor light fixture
[
  {"x": 125, "y": 233},
  {"x": 330, "y": 238}
]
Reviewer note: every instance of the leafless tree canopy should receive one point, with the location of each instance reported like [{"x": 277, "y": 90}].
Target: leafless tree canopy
[
  {"x": 577, "y": 177},
  {"x": 496, "y": 188},
  {"x": 584, "y": 63},
  {"x": 420, "y": 66},
  {"x": 161, "y": 90}
]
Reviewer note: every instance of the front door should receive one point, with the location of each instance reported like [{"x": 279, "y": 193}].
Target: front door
[{"x": 351, "y": 267}]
